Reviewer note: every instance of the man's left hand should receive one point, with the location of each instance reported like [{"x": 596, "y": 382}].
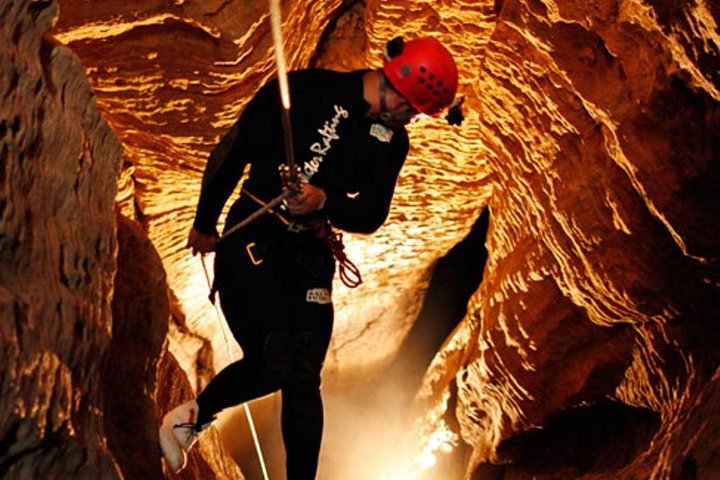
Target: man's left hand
[{"x": 310, "y": 199}]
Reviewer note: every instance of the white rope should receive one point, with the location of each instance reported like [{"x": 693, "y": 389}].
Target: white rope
[
  {"x": 276, "y": 23},
  {"x": 282, "y": 75},
  {"x": 251, "y": 423}
]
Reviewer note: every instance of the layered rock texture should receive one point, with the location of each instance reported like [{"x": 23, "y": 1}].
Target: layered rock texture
[
  {"x": 59, "y": 162},
  {"x": 566, "y": 235}
]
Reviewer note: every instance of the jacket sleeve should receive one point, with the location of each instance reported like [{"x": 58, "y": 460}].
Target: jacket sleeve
[
  {"x": 368, "y": 210},
  {"x": 254, "y": 131}
]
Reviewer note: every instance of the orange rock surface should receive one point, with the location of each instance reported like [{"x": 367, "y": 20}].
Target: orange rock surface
[{"x": 592, "y": 135}]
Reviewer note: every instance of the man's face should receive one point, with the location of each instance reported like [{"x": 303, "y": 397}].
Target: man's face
[{"x": 399, "y": 110}]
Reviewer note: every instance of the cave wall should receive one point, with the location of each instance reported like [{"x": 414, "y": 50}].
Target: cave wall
[
  {"x": 59, "y": 162},
  {"x": 85, "y": 305},
  {"x": 591, "y": 135},
  {"x": 141, "y": 380},
  {"x": 602, "y": 281}
]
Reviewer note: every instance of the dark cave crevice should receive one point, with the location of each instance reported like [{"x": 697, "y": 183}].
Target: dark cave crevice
[
  {"x": 605, "y": 436},
  {"x": 455, "y": 277}
]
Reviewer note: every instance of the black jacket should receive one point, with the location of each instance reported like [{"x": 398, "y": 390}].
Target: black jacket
[{"x": 354, "y": 159}]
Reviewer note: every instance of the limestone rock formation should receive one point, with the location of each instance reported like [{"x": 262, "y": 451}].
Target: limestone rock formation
[
  {"x": 601, "y": 291},
  {"x": 59, "y": 162},
  {"x": 141, "y": 378},
  {"x": 592, "y": 135}
]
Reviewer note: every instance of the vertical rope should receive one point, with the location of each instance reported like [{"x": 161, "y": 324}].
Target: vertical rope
[
  {"x": 218, "y": 313},
  {"x": 276, "y": 23}
]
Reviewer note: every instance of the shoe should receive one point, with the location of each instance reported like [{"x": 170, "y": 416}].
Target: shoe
[{"x": 178, "y": 433}]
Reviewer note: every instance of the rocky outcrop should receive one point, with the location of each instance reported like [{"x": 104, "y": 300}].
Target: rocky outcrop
[
  {"x": 589, "y": 345},
  {"x": 59, "y": 162},
  {"x": 79, "y": 371},
  {"x": 140, "y": 311},
  {"x": 141, "y": 379}
]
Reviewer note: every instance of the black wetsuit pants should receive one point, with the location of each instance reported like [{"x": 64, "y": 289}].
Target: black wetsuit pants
[{"x": 274, "y": 288}]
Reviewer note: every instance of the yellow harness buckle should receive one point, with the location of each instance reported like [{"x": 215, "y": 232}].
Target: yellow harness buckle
[{"x": 256, "y": 260}]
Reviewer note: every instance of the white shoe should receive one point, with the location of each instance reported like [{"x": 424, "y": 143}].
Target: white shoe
[{"x": 178, "y": 433}]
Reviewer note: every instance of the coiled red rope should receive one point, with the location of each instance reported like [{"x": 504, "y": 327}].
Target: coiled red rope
[{"x": 349, "y": 273}]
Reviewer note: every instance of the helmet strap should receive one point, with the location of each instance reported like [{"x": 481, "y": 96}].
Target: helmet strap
[{"x": 384, "y": 114}]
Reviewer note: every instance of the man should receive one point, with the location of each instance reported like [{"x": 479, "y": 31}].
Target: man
[{"x": 274, "y": 276}]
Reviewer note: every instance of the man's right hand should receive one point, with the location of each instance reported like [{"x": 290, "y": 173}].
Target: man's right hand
[{"x": 201, "y": 242}]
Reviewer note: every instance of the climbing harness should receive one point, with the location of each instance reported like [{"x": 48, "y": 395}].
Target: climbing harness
[
  {"x": 265, "y": 208},
  {"x": 348, "y": 272}
]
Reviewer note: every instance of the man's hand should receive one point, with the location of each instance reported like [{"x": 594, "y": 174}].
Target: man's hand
[
  {"x": 201, "y": 242},
  {"x": 310, "y": 199}
]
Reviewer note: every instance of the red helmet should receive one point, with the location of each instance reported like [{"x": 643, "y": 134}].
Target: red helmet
[{"x": 425, "y": 73}]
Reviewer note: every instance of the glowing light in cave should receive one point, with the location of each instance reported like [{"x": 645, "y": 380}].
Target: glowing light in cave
[
  {"x": 420, "y": 465},
  {"x": 397, "y": 453},
  {"x": 442, "y": 440}
]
